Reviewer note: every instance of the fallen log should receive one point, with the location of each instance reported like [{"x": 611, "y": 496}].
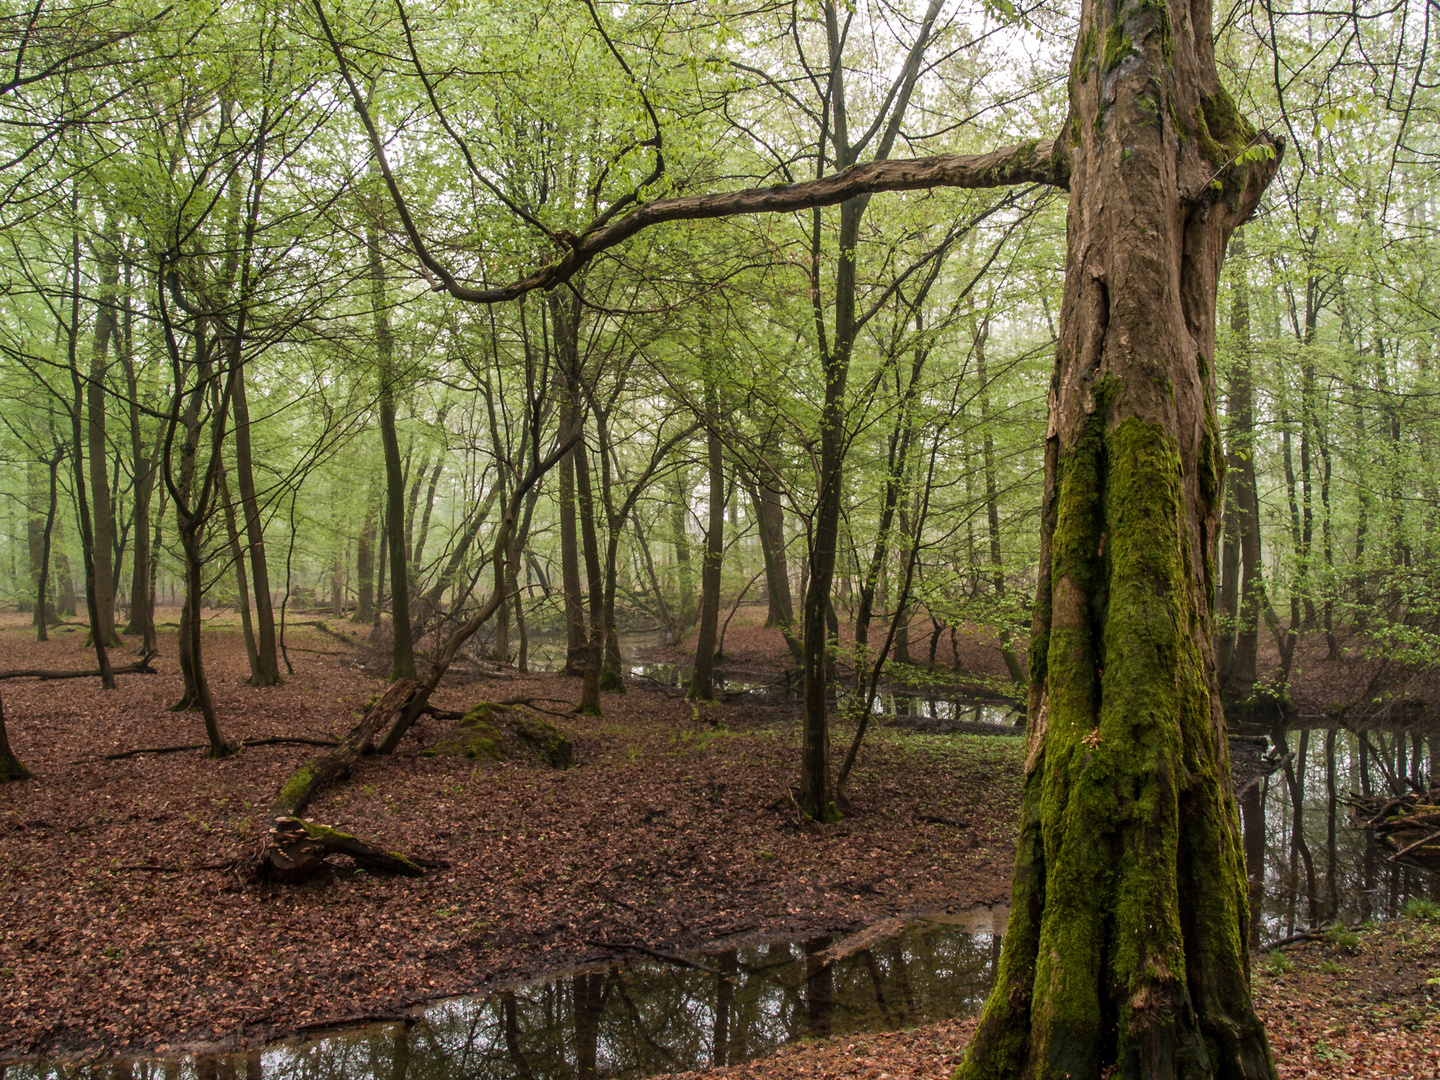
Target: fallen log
[
  {"x": 295, "y": 847},
  {"x": 272, "y": 740},
  {"x": 140, "y": 667},
  {"x": 305, "y": 783}
]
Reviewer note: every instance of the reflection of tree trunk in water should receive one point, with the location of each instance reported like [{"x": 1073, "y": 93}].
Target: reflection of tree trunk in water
[
  {"x": 901, "y": 972},
  {"x": 1252, "y": 815},
  {"x": 819, "y": 989},
  {"x": 1295, "y": 780},
  {"x": 1332, "y": 897},
  {"x": 877, "y": 981},
  {"x": 400, "y": 1055},
  {"x": 728, "y": 963},
  {"x": 512, "y": 1036},
  {"x": 588, "y": 992}
]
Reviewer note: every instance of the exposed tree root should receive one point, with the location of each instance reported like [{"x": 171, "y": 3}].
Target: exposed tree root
[{"x": 140, "y": 667}]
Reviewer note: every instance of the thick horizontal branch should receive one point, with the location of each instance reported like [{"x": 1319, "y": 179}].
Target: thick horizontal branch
[{"x": 1028, "y": 163}]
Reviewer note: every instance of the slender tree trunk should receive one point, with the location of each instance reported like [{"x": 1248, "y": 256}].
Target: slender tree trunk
[
  {"x": 402, "y": 664},
  {"x": 267, "y": 667},
  {"x": 365, "y": 568},
  {"x": 1240, "y": 451},
  {"x": 42, "y": 586},
  {"x": 97, "y": 450},
  {"x": 570, "y": 566},
  {"x": 34, "y": 529},
  {"x": 685, "y": 607},
  {"x": 144, "y": 466},
  {"x": 99, "y": 633},
  {"x": 992, "y": 505},
  {"x": 242, "y": 586},
  {"x": 1126, "y": 948},
  {"x": 595, "y": 588},
  {"x": 702, "y": 682}
]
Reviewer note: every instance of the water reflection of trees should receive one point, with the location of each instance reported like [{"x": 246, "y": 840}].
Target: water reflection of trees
[
  {"x": 1316, "y": 867},
  {"x": 631, "y": 1020}
]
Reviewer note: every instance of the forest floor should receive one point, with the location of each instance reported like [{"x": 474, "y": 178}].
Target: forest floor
[{"x": 675, "y": 831}]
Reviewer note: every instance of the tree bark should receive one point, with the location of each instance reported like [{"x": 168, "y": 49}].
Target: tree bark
[
  {"x": 594, "y": 583},
  {"x": 11, "y": 768},
  {"x": 42, "y": 586},
  {"x": 770, "y": 515},
  {"x": 267, "y": 663},
  {"x": 402, "y": 664},
  {"x": 144, "y": 466},
  {"x": 1126, "y": 949},
  {"x": 702, "y": 681},
  {"x": 99, "y": 635},
  {"x": 97, "y": 449}
]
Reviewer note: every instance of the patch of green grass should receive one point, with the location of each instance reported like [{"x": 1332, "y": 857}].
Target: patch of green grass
[
  {"x": 1277, "y": 963},
  {"x": 1344, "y": 938},
  {"x": 1420, "y": 909}
]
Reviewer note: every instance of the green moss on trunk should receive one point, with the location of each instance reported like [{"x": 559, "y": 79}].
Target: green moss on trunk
[{"x": 1124, "y": 945}]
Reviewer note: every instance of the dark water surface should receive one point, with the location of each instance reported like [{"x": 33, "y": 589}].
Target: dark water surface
[{"x": 632, "y": 1019}]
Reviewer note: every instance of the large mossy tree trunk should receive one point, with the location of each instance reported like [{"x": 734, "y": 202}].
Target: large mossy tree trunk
[{"x": 1126, "y": 952}]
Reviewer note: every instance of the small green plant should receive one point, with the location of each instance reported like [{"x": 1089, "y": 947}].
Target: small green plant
[
  {"x": 1277, "y": 963},
  {"x": 1342, "y": 937},
  {"x": 1421, "y": 909}
]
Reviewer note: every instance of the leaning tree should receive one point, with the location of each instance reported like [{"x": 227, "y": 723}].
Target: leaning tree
[{"x": 1126, "y": 952}]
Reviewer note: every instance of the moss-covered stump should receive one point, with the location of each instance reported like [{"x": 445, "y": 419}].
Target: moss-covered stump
[
  {"x": 506, "y": 733},
  {"x": 296, "y": 847}
]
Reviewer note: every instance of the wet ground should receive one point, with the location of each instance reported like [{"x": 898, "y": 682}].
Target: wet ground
[{"x": 643, "y": 1016}]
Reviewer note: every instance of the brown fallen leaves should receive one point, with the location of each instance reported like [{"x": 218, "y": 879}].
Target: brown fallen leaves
[
  {"x": 670, "y": 833},
  {"x": 1371, "y": 1010}
]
